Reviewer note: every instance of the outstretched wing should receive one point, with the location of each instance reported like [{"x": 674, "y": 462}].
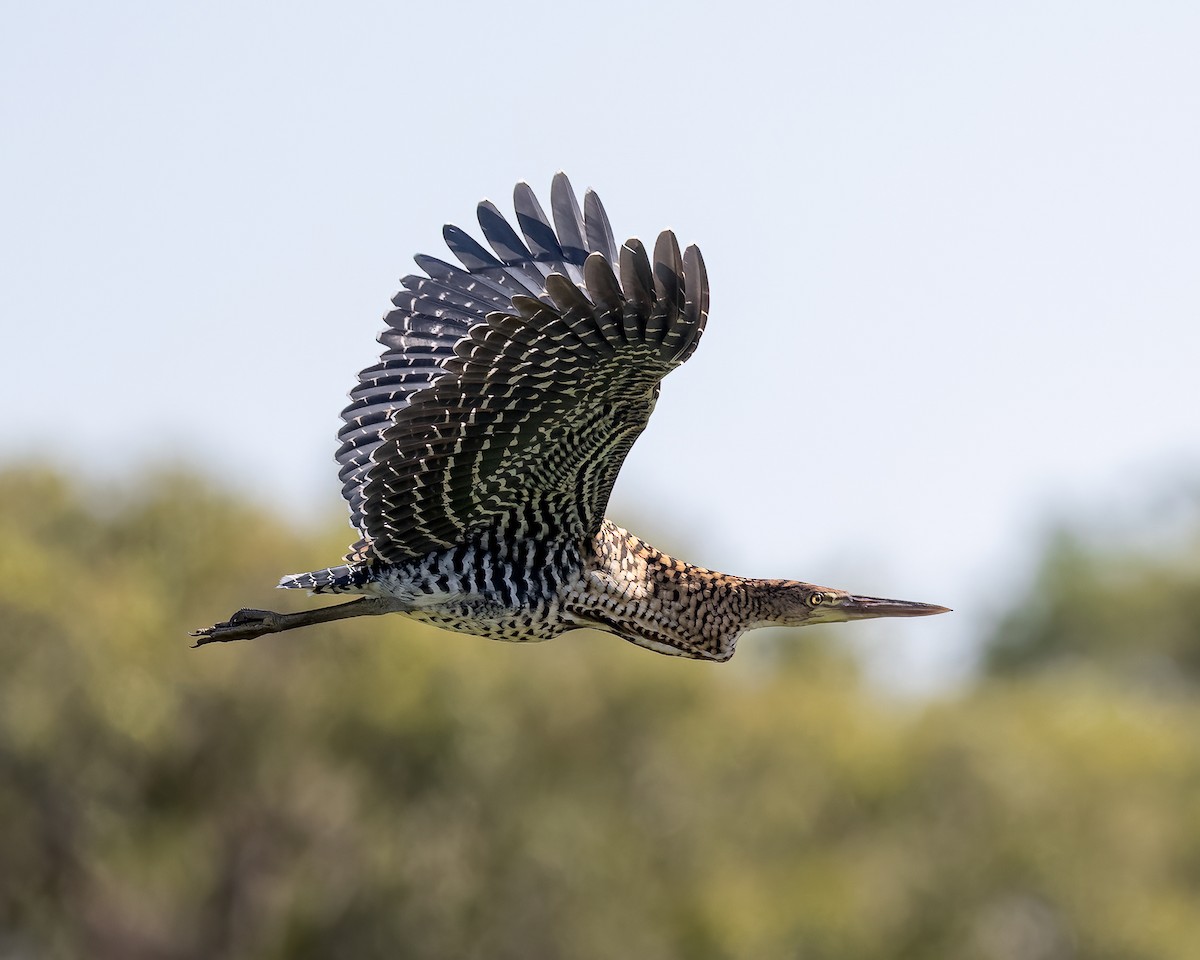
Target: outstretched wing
[{"x": 511, "y": 389}]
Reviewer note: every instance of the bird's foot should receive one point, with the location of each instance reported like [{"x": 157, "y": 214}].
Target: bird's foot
[{"x": 243, "y": 625}]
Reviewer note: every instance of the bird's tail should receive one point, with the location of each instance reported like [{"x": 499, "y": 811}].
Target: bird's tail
[{"x": 343, "y": 579}]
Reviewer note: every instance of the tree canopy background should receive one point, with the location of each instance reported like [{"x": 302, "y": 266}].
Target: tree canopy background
[{"x": 378, "y": 788}]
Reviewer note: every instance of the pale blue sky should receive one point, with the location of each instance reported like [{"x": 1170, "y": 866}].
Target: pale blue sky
[{"x": 953, "y": 247}]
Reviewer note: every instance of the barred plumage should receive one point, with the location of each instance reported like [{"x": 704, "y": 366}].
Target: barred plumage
[{"x": 479, "y": 453}]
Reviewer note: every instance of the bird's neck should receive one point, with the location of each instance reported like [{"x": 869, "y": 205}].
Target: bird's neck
[{"x": 654, "y": 600}]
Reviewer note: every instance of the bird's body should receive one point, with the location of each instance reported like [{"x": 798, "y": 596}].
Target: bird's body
[
  {"x": 527, "y": 591},
  {"x": 478, "y": 455}
]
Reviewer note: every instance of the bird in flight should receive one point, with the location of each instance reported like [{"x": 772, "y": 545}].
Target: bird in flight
[{"x": 478, "y": 454}]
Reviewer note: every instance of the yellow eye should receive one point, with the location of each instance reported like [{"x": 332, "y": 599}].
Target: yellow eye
[{"x": 816, "y": 599}]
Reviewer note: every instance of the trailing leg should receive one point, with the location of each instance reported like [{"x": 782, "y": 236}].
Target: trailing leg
[{"x": 248, "y": 624}]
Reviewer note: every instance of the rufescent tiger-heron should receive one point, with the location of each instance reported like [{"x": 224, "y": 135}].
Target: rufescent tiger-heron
[{"x": 478, "y": 455}]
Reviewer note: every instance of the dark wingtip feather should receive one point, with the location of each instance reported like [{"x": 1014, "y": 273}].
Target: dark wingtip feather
[
  {"x": 568, "y": 220},
  {"x": 599, "y": 231},
  {"x": 696, "y": 304},
  {"x": 637, "y": 282},
  {"x": 668, "y": 272}
]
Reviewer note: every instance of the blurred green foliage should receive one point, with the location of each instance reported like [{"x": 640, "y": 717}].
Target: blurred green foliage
[
  {"x": 1129, "y": 611},
  {"x": 378, "y": 789}
]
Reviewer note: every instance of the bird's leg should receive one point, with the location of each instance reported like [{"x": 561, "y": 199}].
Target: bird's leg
[{"x": 248, "y": 624}]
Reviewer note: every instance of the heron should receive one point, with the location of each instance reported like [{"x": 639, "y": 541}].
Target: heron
[{"x": 478, "y": 455}]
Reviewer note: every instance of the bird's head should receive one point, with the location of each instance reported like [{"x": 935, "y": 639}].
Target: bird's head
[{"x": 794, "y": 604}]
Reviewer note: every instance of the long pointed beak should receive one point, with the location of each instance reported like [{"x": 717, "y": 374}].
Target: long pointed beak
[{"x": 863, "y": 608}]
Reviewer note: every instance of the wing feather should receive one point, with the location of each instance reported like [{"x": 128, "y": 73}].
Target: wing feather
[
  {"x": 596, "y": 226},
  {"x": 637, "y": 282},
  {"x": 695, "y": 310},
  {"x": 568, "y": 219},
  {"x": 668, "y": 286}
]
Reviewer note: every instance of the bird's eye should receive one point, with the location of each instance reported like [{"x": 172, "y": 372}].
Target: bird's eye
[{"x": 816, "y": 599}]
